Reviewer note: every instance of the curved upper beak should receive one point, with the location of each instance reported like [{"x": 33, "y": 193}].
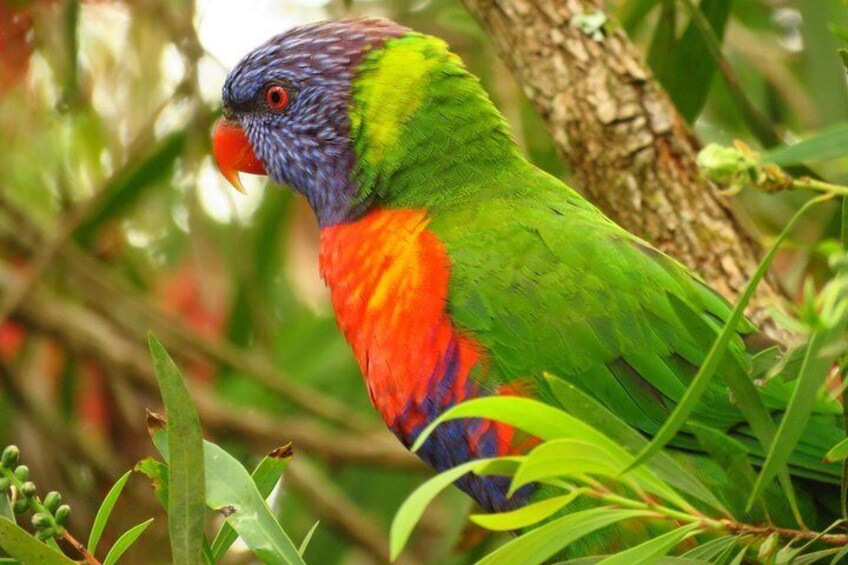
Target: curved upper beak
[{"x": 233, "y": 152}]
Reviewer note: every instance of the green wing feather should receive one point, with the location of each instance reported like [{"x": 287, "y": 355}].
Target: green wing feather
[{"x": 545, "y": 282}]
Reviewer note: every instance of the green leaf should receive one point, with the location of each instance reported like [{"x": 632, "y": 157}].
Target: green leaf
[
  {"x": 19, "y": 544},
  {"x": 740, "y": 385},
  {"x": 526, "y": 515},
  {"x": 759, "y": 125},
  {"x": 632, "y": 13},
  {"x": 711, "y": 550},
  {"x": 544, "y": 542},
  {"x": 602, "y": 419},
  {"x": 649, "y": 552},
  {"x": 304, "y": 545},
  {"x": 838, "y": 452},
  {"x": 186, "y": 508},
  {"x": 230, "y": 489},
  {"x": 105, "y": 511},
  {"x": 265, "y": 477},
  {"x": 662, "y": 48},
  {"x": 413, "y": 507},
  {"x": 828, "y": 144},
  {"x": 691, "y": 70},
  {"x": 6, "y": 507},
  {"x": 157, "y": 472},
  {"x": 569, "y": 457},
  {"x": 814, "y": 369},
  {"x": 125, "y": 542}
]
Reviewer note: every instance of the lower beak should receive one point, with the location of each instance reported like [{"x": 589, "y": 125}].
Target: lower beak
[{"x": 233, "y": 153}]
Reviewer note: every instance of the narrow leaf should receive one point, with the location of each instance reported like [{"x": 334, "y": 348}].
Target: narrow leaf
[
  {"x": 19, "y": 544},
  {"x": 105, "y": 511},
  {"x": 716, "y": 354},
  {"x": 828, "y": 144},
  {"x": 186, "y": 507},
  {"x": 650, "y": 551},
  {"x": 690, "y": 71},
  {"x": 575, "y": 401},
  {"x": 544, "y": 542},
  {"x": 307, "y": 538},
  {"x": 814, "y": 370},
  {"x": 525, "y": 516},
  {"x": 125, "y": 542},
  {"x": 413, "y": 507},
  {"x": 838, "y": 452}
]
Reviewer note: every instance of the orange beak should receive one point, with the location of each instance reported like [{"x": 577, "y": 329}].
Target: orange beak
[{"x": 233, "y": 153}]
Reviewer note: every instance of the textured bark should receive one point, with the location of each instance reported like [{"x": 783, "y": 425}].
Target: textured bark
[{"x": 629, "y": 150}]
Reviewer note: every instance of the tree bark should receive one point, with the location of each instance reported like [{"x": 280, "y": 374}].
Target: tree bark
[{"x": 629, "y": 150}]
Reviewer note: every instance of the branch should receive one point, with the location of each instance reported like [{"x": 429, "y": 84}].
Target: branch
[{"x": 628, "y": 148}]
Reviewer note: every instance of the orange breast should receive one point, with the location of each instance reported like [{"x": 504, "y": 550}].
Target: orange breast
[{"x": 388, "y": 277}]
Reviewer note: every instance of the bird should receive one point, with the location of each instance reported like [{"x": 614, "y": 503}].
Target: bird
[{"x": 458, "y": 270}]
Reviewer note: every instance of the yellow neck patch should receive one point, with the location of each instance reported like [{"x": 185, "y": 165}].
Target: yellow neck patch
[{"x": 390, "y": 86}]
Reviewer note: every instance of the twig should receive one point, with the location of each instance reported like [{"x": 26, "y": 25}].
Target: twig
[
  {"x": 725, "y": 525},
  {"x": 89, "y": 558}
]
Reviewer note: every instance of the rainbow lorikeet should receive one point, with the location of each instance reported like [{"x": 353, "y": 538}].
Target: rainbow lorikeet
[{"x": 457, "y": 268}]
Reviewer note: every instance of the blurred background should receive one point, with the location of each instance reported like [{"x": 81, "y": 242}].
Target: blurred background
[{"x": 114, "y": 222}]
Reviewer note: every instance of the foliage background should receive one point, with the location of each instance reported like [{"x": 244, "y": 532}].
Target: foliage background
[{"x": 114, "y": 221}]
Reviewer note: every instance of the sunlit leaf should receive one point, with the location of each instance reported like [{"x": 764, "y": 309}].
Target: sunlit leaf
[
  {"x": 265, "y": 477},
  {"x": 304, "y": 545},
  {"x": 526, "y": 515},
  {"x": 602, "y": 419},
  {"x": 544, "y": 542},
  {"x": 838, "y": 452},
  {"x": 649, "y": 552},
  {"x": 413, "y": 507}
]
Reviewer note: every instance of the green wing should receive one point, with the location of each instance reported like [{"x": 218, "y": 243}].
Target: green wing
[{"x": 545, "y": 282}]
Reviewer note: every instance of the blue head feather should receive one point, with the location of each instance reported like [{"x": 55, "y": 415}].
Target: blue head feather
[{"x": 307, "y": 145}]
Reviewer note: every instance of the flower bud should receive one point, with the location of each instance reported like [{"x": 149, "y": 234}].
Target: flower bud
[
  {"x": 5, "y": 483},
  {"x": 62, "y": 514},
  {"x": 44, "y": 534},
  {"x": 22, "y": 473},
  {"x": 41, "y": 520},
  {"x": 10, "y": 456},
  {"x": 28, "y": 489},
  {"x": 52, "y": 501}
]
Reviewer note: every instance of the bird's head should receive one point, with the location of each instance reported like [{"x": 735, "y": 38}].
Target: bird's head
[{"x": 333, "y": 110}]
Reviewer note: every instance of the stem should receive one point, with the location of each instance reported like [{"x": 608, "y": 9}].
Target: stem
[
  {"x": 89, "y": 558},
  {"x": 725, "y": 525},
  {"x": 820, "y": 186}
]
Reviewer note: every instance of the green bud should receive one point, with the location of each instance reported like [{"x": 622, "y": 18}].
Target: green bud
[
  {"x": 44, "y": 534},
  {"x": 22, "y": 505},
  {"x": 726, "y": 165},
  {"x": 62, "y": 514},
  {"x": 28, "y": 489},
  {"x": 10, "y": 456},
  {"x": 42, "y": 520},
  {"x": 52, "y": 501},
  {"x": 22, "y": 473},
  {"x": 5, "y": 483}
]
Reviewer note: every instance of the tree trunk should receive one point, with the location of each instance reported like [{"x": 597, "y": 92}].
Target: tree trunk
[{"x": 629, "y": 150}]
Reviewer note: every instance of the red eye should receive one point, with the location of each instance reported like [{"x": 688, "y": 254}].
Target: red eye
[{"x": 276, "y": 97}]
